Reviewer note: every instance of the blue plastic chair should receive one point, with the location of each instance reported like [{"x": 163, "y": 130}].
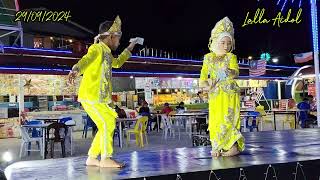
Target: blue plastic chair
[
  {"x": 35, "y": 132},
  {"x": 65, "y": 119},
  {"x": 88, "y": 123},
  {"x": 254, "y": 124},
  {"x": 116, "y": 133}
]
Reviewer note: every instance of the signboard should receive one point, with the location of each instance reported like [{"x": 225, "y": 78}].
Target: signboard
[
  {"x": 167, "y": 83},
  {"x": 140, "y": 83},
  {"x": 147, "y": 91}
]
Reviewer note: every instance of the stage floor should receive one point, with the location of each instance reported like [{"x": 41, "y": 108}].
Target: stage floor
[{"x": 262, "y": 148}]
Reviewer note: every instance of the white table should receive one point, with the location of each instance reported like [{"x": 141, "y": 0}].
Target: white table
[
  {"x": 48, "y": 119},
  {"x": 190, "y": 114},
  {"x": 287, "y": 112},
  {"x": 76, "y": 115}
]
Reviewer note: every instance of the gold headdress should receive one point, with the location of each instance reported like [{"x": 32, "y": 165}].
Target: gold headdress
[
  {"x": 114, "y": 29},
  {"x": 116, "y": 26},
  {"x": 223, "y": 28}
]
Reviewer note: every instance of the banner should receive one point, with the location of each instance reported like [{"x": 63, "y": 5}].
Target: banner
[
  {"x": 148, "y": 91},
  {"x": 167, "y": 83}
]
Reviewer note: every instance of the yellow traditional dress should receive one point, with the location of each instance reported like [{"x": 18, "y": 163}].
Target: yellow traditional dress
[
  {"x": 224, "y": 103},
  {"x": 95, "y": 92}
]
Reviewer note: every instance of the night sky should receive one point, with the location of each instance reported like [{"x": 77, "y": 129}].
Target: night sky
[{"x": 185, "y": 26}]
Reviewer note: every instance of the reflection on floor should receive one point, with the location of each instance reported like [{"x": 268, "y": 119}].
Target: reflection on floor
[{"x": 261, "y": 148}]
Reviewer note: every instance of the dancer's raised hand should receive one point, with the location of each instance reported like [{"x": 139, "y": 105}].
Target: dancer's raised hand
[{"x": 72, "y": 75}]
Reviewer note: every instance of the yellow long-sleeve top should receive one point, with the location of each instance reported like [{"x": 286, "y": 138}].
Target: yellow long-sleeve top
[
  {"x": 96, "y": 68},
  {"x": 211, "y": 67}
]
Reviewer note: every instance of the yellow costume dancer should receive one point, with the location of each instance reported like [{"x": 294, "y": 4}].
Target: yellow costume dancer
[
  {"x": 224, "y": 97},
  {"x": 95, "y": 89}
]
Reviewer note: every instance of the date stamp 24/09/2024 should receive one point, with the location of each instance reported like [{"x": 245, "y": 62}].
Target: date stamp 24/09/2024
[{"x": 42, "y": 16}]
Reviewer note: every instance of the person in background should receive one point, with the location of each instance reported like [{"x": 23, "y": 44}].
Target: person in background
[
  {"x": 305, "y": 117},
  {"x": 200, "y": 98},
  {"x": 121, "y": 114},
  {"x": 180, "y": 107},
  {"x": 144, "y": 109},
  {"x": 313, "y": 104},
  {"x": 140, "y": 103},
  {"x": 166, "y": 109},
  {"x": 291, "y": 103}
]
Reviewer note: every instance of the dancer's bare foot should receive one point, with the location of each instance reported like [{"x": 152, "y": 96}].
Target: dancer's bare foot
[
  {"x": 215, "y": 153},
  {"x": 232, "y": 152},
  {"x": 92, "y": 162},
  {"x": 110, "y": 163}
]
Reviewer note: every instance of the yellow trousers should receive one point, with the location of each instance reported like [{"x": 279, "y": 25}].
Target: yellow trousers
[{"x": 105, "y": 119}]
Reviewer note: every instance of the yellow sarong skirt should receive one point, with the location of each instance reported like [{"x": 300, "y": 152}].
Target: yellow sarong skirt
[{"x": 224, "y": 121}]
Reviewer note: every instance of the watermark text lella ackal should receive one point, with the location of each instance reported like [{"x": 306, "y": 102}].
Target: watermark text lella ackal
[{"x": 260, "y": 18}]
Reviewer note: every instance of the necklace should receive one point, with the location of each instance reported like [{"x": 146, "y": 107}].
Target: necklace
[{"x": 220, "y": 58}]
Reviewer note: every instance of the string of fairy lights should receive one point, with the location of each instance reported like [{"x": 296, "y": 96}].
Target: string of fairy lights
[{"x": 283, "y": 3}]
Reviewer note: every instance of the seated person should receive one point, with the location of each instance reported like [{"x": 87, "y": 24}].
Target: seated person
[
  {"x": 312, "y": 102},
  {"x": 144, "y": 109},
  {"x": 180, "y": 107},
  {"x": 305, "y": 116},
  {"x": 165, "y": 110},
  {"x": 121, "y": 114}
]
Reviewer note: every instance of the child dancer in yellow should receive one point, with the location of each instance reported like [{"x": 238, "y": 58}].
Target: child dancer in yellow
[
  {"x": 224, "y": 97},
  {"x": 95, "y": 89}
]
